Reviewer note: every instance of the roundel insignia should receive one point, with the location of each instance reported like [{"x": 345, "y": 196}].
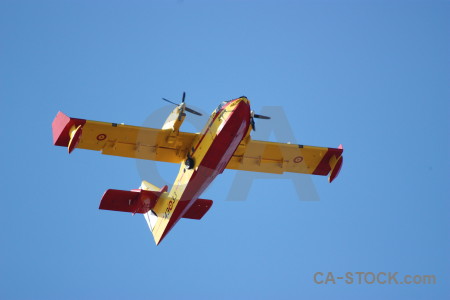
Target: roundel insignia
[
  {"x": 298, "y": 159},
  {"x": 101, "y": 137}
]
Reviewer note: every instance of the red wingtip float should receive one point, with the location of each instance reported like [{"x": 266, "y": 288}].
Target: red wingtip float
[{"x": 224, "y": 143}]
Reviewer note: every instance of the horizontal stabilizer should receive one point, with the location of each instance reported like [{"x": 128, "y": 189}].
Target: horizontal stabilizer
[
  {"x": 198, "y": 209},
  {"x": 135, "y": 201}
]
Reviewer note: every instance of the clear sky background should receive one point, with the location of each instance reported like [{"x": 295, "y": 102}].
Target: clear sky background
[{"x": 372, "y": 75}]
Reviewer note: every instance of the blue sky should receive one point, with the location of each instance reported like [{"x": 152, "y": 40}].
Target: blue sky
[{"x": 372, "y": 75}]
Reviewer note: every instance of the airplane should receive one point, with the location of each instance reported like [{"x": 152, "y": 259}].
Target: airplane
[{"x": 224, "y": 143}]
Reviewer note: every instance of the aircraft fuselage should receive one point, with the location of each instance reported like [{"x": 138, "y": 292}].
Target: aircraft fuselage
[{"x": 211, "y": 152}]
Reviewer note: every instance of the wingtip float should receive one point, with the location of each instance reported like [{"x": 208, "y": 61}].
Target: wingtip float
[{"x": 225, "y": 143}]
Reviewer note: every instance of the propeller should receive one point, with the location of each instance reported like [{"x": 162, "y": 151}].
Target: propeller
[
  {"x": 252, "y": 119},
  {"x": 185, "y": 107}
]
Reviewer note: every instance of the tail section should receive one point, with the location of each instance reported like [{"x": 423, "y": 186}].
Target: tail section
[{"x": 151, "y": 201}]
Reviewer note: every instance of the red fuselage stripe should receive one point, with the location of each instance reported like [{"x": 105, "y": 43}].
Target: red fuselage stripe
[{"x": 209, "y": 125}]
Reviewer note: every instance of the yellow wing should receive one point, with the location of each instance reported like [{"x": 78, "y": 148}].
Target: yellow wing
[
  {"x": 121, "y": 140},
  {"x": 270, "y": 157}
]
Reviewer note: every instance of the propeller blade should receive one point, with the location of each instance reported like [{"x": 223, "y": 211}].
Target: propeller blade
[
  {"x": 261, "y": 117},
  {"x": 192, "y": 111},
  {"x": 170, "y": 101},
  {"x": 185, "y": 108},
  {"x": 252, "y": 123}
]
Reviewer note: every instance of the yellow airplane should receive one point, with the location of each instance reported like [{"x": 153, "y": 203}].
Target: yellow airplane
[{"x": 224, "y": 143}]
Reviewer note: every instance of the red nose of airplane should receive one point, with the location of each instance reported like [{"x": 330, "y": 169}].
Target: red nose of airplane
[{"x": 243, "y": 99}]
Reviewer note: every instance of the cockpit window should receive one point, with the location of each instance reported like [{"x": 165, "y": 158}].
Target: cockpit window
[{"x": 221, "y": 105}]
